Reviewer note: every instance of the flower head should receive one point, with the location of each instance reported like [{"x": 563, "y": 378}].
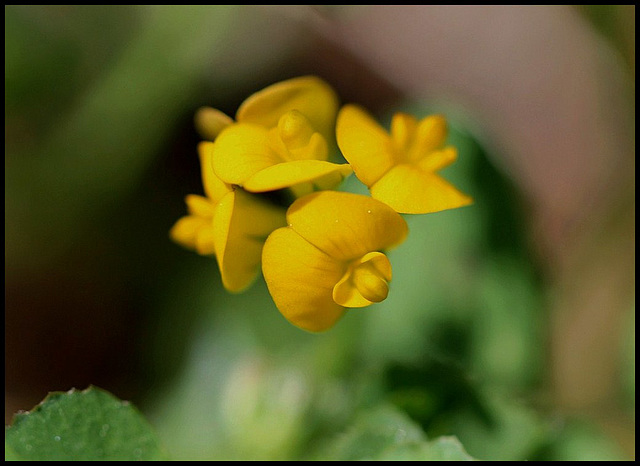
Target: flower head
[
  {"x": 327, "y": 253},
  {"x": 228, "y": 222},
  {"x": 330, "y": 257},
  {"x": 281, "y": 138},
  {"x": 289, "y": 155},
  {"x": 400, "y": 168},
  {"x": 309, "y": 95}
]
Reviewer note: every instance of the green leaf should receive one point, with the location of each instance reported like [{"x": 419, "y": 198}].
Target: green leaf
[
  {"x": 9, "y": 454},
  {"x": 386, "y": 434},
  {"x": 515, "y": 433},
  {"x": 82, "y": 425},
  {"x": 441, "y": 449},
  {"x": 98, "y": 154},
  {"x": 581, "y": 440}
]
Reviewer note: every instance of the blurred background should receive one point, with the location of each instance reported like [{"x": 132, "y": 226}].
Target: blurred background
[{"x": 510, "y": 323}]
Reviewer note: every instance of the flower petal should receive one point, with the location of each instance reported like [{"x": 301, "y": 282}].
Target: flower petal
[
  {"x": 294, "y": 129},
  {"x": 403, "y": 130},
  {"x": 373, "y": 271},
  {"x": 316, "y": 149},
  {"x": 188, "y": 232},
  {"x": 364, "y": 143},
  {"x": 241, "y": 225},
  {"x": 346, "y": 294},
  {"x": 210, "y": 121},
  {"x": 240, "y": 151},
  {"x": 310, "y": 95},
  {"x": 200, "y": 206},
  {"x": 205, "y": 244},
  {"x": 296, "y": 139},
  {"x": 346, "y": 226},
  {"x": 409, "y": 190},
  {"x": 438, "y": 159},
  {"x": 300, "y": 279},
  {"x": 287, "y": 174},
  {"x": 431, "y": 133},
  {"x": 214, "y": 187}
]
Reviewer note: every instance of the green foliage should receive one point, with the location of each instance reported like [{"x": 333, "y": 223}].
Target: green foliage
[
  {"x": 100, "y": 151},
  {"x": 577, "y": 440},
  {"x": 386, "y": 434},
  {"x": 434, "y": 391},
  {"x": 82, "y": 425},
  {"x": 515, "y": 433},
  {"x": 457, "y": 351}
]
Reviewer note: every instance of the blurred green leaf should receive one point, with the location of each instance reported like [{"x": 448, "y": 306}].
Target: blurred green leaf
[
  {"x": 440, "y": 449},
  {"x": 516, "y": 432},
  {"x": 507, "y": 332},
  {"x": 53, "y": 54},
  {"x": 9, "y": 454},
  {"x": 616, "y": 23},
  {"x": 82, "y": 425},
  {"x": 232, "y": 401},
  {"x": 579, "y": 440},
  {"x": 386, "y": 434},
  {"x": 435, "y": 390},
  {"x": 108, "y": 139}
]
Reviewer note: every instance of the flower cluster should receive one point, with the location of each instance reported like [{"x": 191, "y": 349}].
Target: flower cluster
[{"x": 270, "y": 198}]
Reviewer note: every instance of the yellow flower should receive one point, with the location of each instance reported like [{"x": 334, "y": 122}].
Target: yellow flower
[
  {"x": 290, "y": 155},
  {"x": 329, "y": 257},
  {"x": 229, "y": 223},
  {"x": 210, "y": 121},
  {"x": 281, "y": 138},
  {"x": 310, "y": 95},
  {"x": 400, "y": 168}
]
